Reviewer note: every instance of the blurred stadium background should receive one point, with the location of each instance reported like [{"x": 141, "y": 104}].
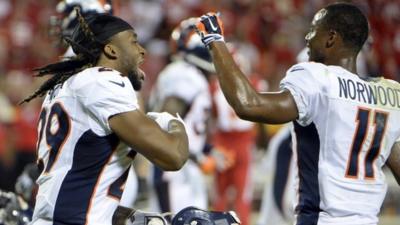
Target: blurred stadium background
[{"x": 270, "y": 33}]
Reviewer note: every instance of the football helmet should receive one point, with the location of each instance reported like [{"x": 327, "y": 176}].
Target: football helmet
[
  {"x": 186, "y": 43},
  {"x": 195, "y": 216},
  {"x": 64, "y": 22},
  {"x": 26, "y": 186},
  {"x": 13, "y": 209}
]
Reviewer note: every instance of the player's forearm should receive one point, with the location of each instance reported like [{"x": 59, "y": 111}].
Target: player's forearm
[
  {"x": 234, "y": 84},
  {"x": 170, "y": 155}
]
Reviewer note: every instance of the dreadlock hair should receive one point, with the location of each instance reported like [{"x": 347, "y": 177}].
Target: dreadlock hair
[
  {"x": 86, "y": 56},
  {"x": 349, "y": 22}
]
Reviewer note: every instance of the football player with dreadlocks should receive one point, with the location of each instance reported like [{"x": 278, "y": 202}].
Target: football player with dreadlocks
[
  {"x": 90, "y": 106},
  {"x": 63, "y": 25}
]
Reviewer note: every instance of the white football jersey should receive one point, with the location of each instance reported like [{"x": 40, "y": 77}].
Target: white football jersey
[
  {"x": 182, "y": 80},
  {"x": 342, "y": 139},
  {"x": 84, "y": 171},
  {"x": 278, "y": 194},
  {"x": 227, "y": 119},
  {"x": 187, "y": 186}
]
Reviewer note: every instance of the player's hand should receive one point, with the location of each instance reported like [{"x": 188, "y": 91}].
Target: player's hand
[
  {"x": 218, "y": 160},
  {"x": 163, "y": 119},
  {"x": 210, "y": 28},
  {"x": 224, "y": 159},
  {"x": 207, "y": 164}
]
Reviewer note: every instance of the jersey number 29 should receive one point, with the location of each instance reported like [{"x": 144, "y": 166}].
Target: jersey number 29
[{"x": 57, "y": 126}]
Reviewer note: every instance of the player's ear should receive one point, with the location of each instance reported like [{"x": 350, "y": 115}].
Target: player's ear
[
  {"x": 333, "y": 37},
  {"x": 110, "y": 51}
]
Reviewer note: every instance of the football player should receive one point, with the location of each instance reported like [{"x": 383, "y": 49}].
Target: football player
[
  {"x": 90, "y": 106},
  {"x": 345, "y": 126},
  {"x": 63, "y": 25},
  {"x": 182, "y": 87},
  {"x": 237, "y": 138},
  {"x": 278, "y": 195}
]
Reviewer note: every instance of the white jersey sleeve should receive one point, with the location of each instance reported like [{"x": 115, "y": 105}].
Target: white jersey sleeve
[
  {"x": 307, "y": 84},
  {"x": 182, "y": 81},
  {"x": 109, "y": 95}
]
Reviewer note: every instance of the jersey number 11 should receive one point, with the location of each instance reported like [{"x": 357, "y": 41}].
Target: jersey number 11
[{"x": 363, "y": 123}]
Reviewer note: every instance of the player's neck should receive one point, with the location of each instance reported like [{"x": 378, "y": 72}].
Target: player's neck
[
  {"x": 102, "y": 62},
  {"x": 348, "y": 63}
]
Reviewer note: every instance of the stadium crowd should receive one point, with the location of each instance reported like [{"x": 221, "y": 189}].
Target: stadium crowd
[{"x": 268, "y": 33}]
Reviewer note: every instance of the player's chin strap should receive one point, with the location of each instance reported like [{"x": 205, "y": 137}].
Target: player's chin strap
[{"x": 195, "y": 216}]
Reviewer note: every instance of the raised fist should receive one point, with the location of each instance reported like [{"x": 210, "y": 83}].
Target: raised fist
[{"x": 210, "y": 28}]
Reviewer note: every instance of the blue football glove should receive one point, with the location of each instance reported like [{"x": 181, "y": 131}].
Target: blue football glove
[{"x": 210, "y": 28}]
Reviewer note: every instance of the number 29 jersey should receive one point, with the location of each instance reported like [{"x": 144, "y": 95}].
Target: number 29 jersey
[
  {"x": 84, "y": 171},
  {"x": 342, "y": 138}
]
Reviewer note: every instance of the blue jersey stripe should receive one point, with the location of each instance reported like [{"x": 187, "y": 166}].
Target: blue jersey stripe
[
  {"x": 283, "y": 158},
  {"x": 91, "y": 153},
  {"x": 308, "y": 144}
]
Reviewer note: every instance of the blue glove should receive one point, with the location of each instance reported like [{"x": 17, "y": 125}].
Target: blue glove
[{"x": 210, "y": 28}]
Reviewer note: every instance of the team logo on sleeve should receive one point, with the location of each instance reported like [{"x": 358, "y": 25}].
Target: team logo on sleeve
[
  {"x": 122, "y": 84},
  {"x": 296, "y": 68}
]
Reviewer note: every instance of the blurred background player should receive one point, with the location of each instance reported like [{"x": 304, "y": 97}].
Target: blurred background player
[
  {"x": 182, "y": 87},
  {"x": 237, "y": 138},
  {"x": 278, "y": 194},
  {"x": 66, "y": 19}
]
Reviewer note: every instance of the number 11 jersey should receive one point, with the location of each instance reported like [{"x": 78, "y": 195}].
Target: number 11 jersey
[{"x": 342, "y": 138}]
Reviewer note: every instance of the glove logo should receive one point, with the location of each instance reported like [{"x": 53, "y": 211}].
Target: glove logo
[
  {"x": 210, "y": 29},
  {"x": 213, "y": 27}
]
